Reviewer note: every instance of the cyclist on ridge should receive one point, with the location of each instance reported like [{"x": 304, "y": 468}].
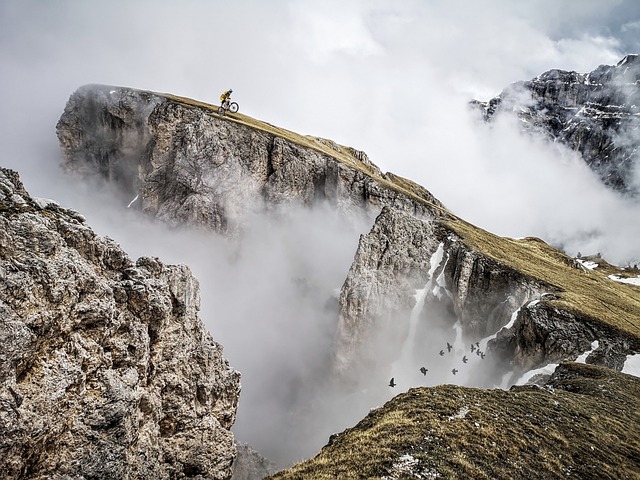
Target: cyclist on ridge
[{"x": 225, "y": 98}]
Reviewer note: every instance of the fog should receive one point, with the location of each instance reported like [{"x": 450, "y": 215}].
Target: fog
[{"x": 390, "y": 78}]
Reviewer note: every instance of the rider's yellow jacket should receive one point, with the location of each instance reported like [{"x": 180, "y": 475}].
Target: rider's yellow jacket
[{"x": 225, "y": 96}]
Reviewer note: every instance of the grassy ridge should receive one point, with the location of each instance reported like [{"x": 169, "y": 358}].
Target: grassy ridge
[
  {"x": 339, "y": 152},
  {"x": 587, "y": 426},
  {"x": 587, "y": 292}
]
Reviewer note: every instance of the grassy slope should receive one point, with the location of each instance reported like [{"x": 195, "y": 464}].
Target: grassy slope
[
  {"x": 586, "y": 292},
  {"x": 587, "y": 426},
  {"x": 339, "y": 152}
]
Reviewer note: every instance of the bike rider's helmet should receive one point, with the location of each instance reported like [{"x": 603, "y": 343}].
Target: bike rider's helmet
[{"x": 230, "y": 90}]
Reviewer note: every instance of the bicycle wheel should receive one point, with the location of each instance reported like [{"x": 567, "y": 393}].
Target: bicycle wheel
[
  {"x": 233, "y": 107},
  {"x": 220, "y": 111}
]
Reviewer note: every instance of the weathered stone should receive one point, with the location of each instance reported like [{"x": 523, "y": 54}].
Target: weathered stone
[
  {"x": 596, "y": 114},
  {"x": 188, "y": 166},
  {"x": 106, "y": 371}
]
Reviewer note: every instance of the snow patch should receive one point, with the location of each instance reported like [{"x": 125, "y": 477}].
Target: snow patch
[
  {"x": 588, "y": 264},
  {"x": 632, "y": 281},
  {"x": 407, "y": 466},
  {"x": 583, "y": 358},
  {"x": 133, "y": 201},
  {"x": 632, "y": 365},
  {"x": 546, "y": 370}
]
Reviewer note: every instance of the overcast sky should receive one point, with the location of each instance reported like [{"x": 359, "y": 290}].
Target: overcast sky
[{"x": 391, "y": 78}]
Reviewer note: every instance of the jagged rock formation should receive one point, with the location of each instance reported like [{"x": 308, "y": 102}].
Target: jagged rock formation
[
  {"x": 583, "y": 424},
  {"x": 106, "y": 371},
  {"x": 596, "y": 114},
  {"x": 481, "y": 283},
  {"x": 186, "y": 165}
]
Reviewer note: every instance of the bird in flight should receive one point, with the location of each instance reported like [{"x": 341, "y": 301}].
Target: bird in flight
[
  {"x": 464, "y": 359},
  {"x": 454, "y": 371},
  {"x": 442, "y": 353},
  {"x": 473, "y": 347},
  {"x": 424, "y": 370},
  {"x": 449, "y": 347},
  {"x": 392, "y": 383}
]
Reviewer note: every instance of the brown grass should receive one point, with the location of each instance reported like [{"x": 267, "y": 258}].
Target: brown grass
[{"x": 580, "y": 432}]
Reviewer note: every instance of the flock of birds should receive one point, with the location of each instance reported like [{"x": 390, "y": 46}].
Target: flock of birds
[{"x": 475, "y": 348}]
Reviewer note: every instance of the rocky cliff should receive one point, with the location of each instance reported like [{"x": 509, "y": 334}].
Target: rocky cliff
[
  {"x": 595, "y": 113},
  {"x": 185, "y": 165},
  {"x": 420, "y": 278},
  {"x": 529, "y": 304},
  {"x": 106, "y": 371}
]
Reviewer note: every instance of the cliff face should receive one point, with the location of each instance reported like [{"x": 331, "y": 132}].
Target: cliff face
[
  {"x": 596, "y": 114},
  {"x": 106, "y": 371},
  {"x": 185, "y": 165},
  {"x": 513, "y": 296}
]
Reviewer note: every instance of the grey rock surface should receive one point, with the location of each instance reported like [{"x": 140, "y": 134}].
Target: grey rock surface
[
  {"x": 486, "y": 298},
  {"x": 106, "y": 370},
  {"x": 189, "y": 166},
  {"x": 595, "y": 113},
  {"x": 250, "y": 465}
]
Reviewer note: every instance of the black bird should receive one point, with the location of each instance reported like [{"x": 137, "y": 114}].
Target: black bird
[
  {"x": 464, "y": 359},
  {"x": 478, "y": 345},
  {"x": 454, "y": 371},
  {"x": 442, "y": 353},
  {"x": 473, "y": 347},
  {"x": 449, "y": 347},
  {"x": 478, "y": 352},
  {"x": 392, "y": 383},
  {"x": 424, "y": 370},
  {"x": 482, "y": 355}
]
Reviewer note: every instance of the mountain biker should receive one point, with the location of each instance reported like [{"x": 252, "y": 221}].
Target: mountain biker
[{"x": 225, "y": 98}]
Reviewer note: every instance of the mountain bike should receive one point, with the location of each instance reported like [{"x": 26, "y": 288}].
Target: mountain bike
[{"x": 228, "y": 106}]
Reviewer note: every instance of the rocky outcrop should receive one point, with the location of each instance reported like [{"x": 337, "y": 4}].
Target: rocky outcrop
[
  {"x": 596, "y": 114},
  {"x": 250, "y": 465},
  {"x": 186, "y": 165},
  {"x": 543, "y": 333},
  {"x": 487, "y": 292},
  {"x": 392, "y": 261},
  {"x": 106, "y": 371}
]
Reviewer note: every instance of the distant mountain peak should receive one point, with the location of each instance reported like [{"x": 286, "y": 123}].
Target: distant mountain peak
[{"x": 596, "y": 114}]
